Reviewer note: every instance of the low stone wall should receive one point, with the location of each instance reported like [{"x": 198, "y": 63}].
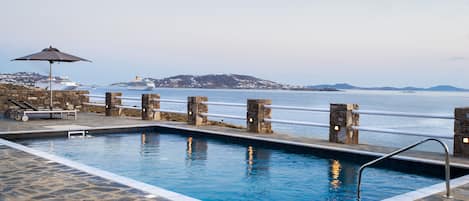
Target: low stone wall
[
  {"x": 165, "y": 116},
  {"x": 41, "y": 98},
  {"x": 92, "y": 108}
]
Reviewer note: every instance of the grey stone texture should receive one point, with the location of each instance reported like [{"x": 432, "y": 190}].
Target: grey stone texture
[
  {"x": 41, "y": 98},
  {"x": 111, "y": 102},
  {"x": 195, "y": 107},
  {"x": 460, "y": 193},
  {"x": 256, "y": 113},
  {"x": 340, "y": 123},
  {"x": 461, "y": 131},
  {"x": 27, "y": 177},
  {"x": 148, "y": 104}
]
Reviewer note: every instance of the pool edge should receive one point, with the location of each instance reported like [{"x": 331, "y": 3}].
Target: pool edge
[
  {"x": 151, "y": 189},
  {"x": 429, "y": 190}
]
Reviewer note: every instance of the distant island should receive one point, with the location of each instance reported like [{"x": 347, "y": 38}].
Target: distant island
[
  {"x": 222, "y": 81},
  {"x": 225, "y": 81},
  {"x": 24, "y": 78},
  {"x": 345, "y": 86}
]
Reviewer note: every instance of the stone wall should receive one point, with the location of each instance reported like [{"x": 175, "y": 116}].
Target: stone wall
[{"x": 41, "y": 98}]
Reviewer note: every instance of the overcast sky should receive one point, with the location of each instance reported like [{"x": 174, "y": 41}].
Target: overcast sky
[{"x": 372, "y": 43}]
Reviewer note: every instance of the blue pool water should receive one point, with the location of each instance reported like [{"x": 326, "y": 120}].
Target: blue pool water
[{"x": 214, "y": 169}]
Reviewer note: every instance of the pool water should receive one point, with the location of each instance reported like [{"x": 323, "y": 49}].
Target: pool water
[{"x": 214, "y": 169}]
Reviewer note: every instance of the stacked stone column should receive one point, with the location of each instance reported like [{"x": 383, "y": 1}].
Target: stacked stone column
[
  {"x": 256, "y": 113},
  {"x": 150, "y": 102},
  {"x": 195, "y": 108},
  {"x": 342, "y": 120},
  {"x": 461, "y": 132},
  {"x": 111, "y": 102}
]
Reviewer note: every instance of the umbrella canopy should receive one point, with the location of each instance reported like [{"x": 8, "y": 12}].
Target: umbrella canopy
[{"x": 51, "y": 55}]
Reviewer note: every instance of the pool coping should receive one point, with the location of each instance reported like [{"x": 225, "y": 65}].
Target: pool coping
[
  {"x": 430, "y": 190},
  {"x": 150, "y": 189}
]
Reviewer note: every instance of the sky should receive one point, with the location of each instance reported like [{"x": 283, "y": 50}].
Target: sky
[{"x": 366, "y": 43}]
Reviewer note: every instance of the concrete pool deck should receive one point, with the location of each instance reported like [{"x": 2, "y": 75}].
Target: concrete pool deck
[{"x": 91, "y": 121}]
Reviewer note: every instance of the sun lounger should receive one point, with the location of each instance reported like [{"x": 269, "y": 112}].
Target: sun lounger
[
  {"x": 18, "y": 104},
  {"x": 67, "y": 113},
  {"x": 27, "y": 109},
  {"x": 29, "y": 105}
]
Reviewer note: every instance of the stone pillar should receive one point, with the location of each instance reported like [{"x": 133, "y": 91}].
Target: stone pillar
[
  {"x": 256, "y": 112},
  {"x": 461, "y": 132},
  {"x": 341, "y": 121},
  {"x": 148, "y": 105},
  {"x": 195, "y": 107},
  {"x": 83, "y": 99},
  {"x": 111, "y": 102}
]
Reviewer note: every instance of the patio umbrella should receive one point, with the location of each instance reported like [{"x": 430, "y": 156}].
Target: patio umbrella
[{"x": 51, "y": 55}]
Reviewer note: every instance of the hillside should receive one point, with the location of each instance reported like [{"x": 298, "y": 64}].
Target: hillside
[
  {"x": 219, "y": 81},
  {"x": 223, "y": 81},
  {"x": 23, "y": 78},
  {"x": 346, "y": 86}
]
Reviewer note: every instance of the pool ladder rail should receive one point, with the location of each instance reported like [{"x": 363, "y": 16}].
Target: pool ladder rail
[
  {"x": 447, "y": 164},
  {"x": 77, "y": 133}
]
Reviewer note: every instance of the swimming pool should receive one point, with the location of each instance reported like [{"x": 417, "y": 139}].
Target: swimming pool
[{"x": 219, "y": 169}]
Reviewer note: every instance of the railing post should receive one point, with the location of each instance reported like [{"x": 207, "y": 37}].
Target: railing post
[
  {"x": 195, "y": 107},
  {"x": 256, "y": 113},
  {"x": 84, "y": 99},
  {"x": 148, "y": 105},
  {"x": 461, "y": 132},
  {"x": 341, "y": 122},
  {"x": 111, "y": 102}
]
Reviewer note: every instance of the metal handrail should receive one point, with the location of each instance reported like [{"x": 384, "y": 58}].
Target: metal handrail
[
  {"x": 95, "y": 104},
  {"x": 128, "y": 107},
  {"x": 283, "y": 107},
  {"x": 399, "y": 132},
  {"x": 133, "y": 101},
  {"x": 169, "y": 111},
  {"x": 170, "y": 100},
  {"x": 94, "y": 96},
  {"x": 447, "y": 167},
  {"x": 302, "y": 123},
  {"x": 225, "y": 104},
  {"x": 403, "y": 114},
  {"x": 223, "y": 116},
  {"x": 129, "y": 98}
]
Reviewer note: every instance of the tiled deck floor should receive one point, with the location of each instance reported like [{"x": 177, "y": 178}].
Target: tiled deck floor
[
  {"x": 460, "y": 193},
  {"x": 27, "y": 177}
]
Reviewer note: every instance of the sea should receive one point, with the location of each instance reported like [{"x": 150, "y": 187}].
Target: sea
[{"x": 435, "y": 103}]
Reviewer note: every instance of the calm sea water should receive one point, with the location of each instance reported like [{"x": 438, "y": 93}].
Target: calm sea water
[{"x": 395, "y": 101}]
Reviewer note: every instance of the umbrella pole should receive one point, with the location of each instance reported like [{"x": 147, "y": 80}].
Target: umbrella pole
[{"x": 50, "y": 86}]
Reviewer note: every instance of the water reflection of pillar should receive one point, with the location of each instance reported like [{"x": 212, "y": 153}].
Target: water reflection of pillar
[
  {"x": 196, "y": 149},
  {"x": 150, "y": 138},
  {"x": 341, "y": 174},
  {"x": 334, "y": 174},
  {"x": 257, "y": 161},
  {"x": 150, "y": 142}
]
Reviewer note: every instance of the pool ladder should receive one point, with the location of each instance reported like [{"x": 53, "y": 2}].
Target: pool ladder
[
  {"x": 447, "y": 167},
  {"x": 81, "y": 133}
]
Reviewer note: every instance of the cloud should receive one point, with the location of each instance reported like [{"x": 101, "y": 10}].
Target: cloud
[{"x": 457, "y": 59}]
